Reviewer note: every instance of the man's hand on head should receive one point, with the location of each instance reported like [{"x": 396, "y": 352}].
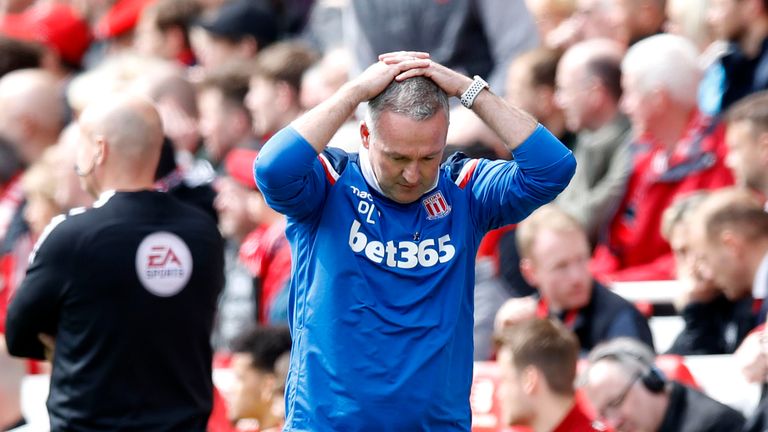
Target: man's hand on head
[
  {"x": 514, "y": 311},
  {"x": 452, "y": 82},
  {"x": 380, "y": 74}
]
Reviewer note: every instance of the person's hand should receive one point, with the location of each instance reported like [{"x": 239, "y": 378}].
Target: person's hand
[
  {"x": 751, "y": 359},
  {"x": 452, "y": 82},
  {"x": 696, "y": 290},
  {"x": 514, "y": 311},
  {"x": 380, "y": 74},
  {"x": 566, "y": 34},
  {"x": 49, "y": 345},
  {"x": 178, "y": 126}
]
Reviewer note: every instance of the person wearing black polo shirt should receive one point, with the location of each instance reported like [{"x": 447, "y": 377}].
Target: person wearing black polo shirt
[{"x": 125, "y": 291}]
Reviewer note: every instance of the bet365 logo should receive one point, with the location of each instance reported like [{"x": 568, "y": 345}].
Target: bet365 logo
[{"x": 403, "y": 254}]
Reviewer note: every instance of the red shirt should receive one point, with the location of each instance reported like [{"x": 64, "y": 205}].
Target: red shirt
[{"x": 578, "y": 421}]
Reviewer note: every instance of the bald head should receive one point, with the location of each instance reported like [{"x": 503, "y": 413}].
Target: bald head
[
  {"x": 130, "y": 125},
  {"x": 596, "y": 58},
  {"x": 125, "y": 135},
  {"x": 31, "y": 111}
]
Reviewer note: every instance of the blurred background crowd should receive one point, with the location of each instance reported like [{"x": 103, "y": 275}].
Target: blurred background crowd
[{"x": 661, "y": 102}]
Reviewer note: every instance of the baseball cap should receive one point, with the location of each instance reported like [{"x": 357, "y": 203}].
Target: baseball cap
[
  {"x": 55, "y": 25},
  {"x": 238, "y": 164},
  {"x": 121, "y": 18},
  {"x": 241, "y": 18}
]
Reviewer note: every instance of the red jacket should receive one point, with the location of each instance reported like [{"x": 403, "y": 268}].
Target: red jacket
[
  {"x": 267, "y": 255},
  {"x": 632, "y": 248}
]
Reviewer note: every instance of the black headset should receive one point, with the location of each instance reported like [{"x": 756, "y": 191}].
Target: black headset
[{"x": 650, "y": 375}]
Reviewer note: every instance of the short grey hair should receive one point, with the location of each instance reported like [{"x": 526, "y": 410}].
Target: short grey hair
[
  {"x": 417, "y": 98},
  {"x": 632, "y": 355},
  {"x": 665, "y": 61}
]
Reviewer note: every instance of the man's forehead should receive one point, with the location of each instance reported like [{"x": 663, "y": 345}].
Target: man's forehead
[{"x": 604, "y": 373}]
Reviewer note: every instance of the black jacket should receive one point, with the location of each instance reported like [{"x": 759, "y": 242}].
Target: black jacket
[
  {"x": 716, "y": 327},
  {"x": 743, "y": 75},
  {"x": 692, "y": 411},
  {"x": 129, "y": 290},
  {"x": 607, "y": 316}
]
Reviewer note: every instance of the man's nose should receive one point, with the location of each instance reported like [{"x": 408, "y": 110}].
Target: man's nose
[{"x": 411, "y": 173}]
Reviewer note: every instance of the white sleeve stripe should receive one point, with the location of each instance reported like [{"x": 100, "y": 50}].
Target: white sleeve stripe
[
  {"x": 466, "y": 169},
  {"x": 44, "y": 235},
  {"x": 328, "y": 167}
]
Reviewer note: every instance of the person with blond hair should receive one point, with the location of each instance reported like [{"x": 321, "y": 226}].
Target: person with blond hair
[{"x": 554, "y": 255}]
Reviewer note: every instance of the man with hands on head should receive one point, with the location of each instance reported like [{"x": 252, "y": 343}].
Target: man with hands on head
[{"x": 384, "y": 243}]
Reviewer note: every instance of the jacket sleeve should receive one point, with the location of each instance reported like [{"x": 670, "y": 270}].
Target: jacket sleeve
[
  {"x": 630, "y": 323},
  {"x": 703, "y": 331},
  {"x": 505, "y": 192},
  {"x": 36, "y": 305},
  {"x": 600, "y": 201},
  {"x": 290, "y": 176}
]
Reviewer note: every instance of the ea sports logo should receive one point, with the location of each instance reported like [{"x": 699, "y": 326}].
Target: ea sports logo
[{"x": 163, "y": 263}]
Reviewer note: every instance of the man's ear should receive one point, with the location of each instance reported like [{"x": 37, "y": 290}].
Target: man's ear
[
  {"x": 733, "y": 242},
  {"x": 528, "y": 270},
  {"x": 102, "y": 149},
  {"x": 286, "y": 96},
  {"x": 530, "y": 379},
  {"x": 762, "y": 148},
  {"x": 365, "y": 134},
  {"x": 269, "y": 386}
]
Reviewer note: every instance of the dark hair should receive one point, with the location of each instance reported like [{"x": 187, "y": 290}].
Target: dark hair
[
  {"x": 752, "y": 109},
  {"x": 231, "y": 80},
  {"x": 16, "y": 54},
  {"x": 284, "y": 61},
  {"x": 546, "y": 345},
  {"x": 543, "y": 65},
  {"x": 265, "y": 345},
  {"x": 417, "y": 98},
  {"x": 607, "y": 69},
  {"x": 175, "y": 13}
]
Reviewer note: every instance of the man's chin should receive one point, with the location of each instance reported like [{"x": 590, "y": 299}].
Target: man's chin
[{"x": 405, "y": 195}]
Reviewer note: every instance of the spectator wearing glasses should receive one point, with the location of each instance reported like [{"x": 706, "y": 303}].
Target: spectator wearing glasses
[{"x": 631, "y": 394}]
